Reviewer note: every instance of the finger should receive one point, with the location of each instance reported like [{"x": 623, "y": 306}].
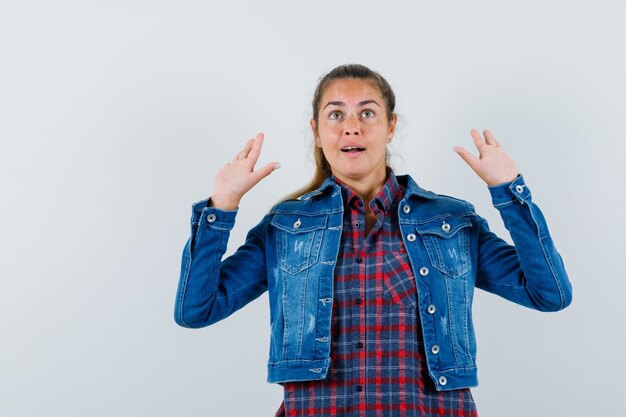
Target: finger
[
  {"x": 244, "y": 151},
  {"x": 478, "y": 139},
  {"x": 470, "y": 159},
  {"x": 489, "y": 139},
  {"x": 255, "y": 151},
  {"x": 263, "y": 172}
]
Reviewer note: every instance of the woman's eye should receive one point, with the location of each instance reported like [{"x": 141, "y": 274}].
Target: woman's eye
[
  {"x": 367, "y": 113},
  {"x": 335, "y": 115}
]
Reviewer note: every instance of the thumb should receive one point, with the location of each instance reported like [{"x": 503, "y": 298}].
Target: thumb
[{"x": 470, "y": 159}]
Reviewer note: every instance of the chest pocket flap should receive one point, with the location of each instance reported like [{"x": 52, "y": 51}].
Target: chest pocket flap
[
  {"x": 447, "y": 244},
  {"x": 298, "y": 240},
  {"x": 296, "y": 223}
]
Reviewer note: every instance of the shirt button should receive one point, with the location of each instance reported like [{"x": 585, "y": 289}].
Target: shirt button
[
  {"x": 359, "y": 345},
  {"x": 358, "y": 260},
  {"x": 443, "y": 380},
  {"x": 446, "y": 227},
  {"x": 431, "y": 309},
  {"x": 357, "y": 225},
  {"x": 359, "y": 388},
  {"x": 406, "y": 208},
  {"x": 435, "y": 349},
  {"x": 410, "y": 237},
  {"x": 423, "y": 271},
  {"x": 358, "y": 301},
  {"x": 210, "y": 218},
  {"x": 519, "y": 188}
]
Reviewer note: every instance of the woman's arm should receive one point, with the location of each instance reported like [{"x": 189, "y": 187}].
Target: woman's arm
[
  {"x": 530, "y": 273},
  {"x": 210, "y": 289}
]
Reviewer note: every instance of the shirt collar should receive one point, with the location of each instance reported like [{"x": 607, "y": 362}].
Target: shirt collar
[{"x": 391, "y": 192}]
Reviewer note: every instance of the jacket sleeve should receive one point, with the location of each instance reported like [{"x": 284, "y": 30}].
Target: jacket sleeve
[
  {"x": 531, "y": 272},
  {"x": 210, "y": 289}
]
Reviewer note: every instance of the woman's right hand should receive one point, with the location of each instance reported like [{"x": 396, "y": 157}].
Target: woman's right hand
[{"x": 238, "y": 176}]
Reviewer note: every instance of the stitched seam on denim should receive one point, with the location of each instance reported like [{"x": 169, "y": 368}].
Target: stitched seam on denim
[
  {"x": 184, "y": 289},
  {"x": 458, "y": 368},
  {"x": 302, "y": 312},
  {"x": 437, "y": 217},
  {"x": 303, "y": 361},
  {"x": 306, "y": 212},
  {"x": 503, "y": 204},
  {"x": 450, "y": 323},
  {"x": 552, "y": 270}
]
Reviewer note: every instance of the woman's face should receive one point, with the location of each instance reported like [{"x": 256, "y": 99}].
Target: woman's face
[{"x": 353, "y": 130}]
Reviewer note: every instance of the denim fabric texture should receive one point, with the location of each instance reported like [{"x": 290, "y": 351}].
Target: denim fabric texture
[{"x": 293, "y": 250}]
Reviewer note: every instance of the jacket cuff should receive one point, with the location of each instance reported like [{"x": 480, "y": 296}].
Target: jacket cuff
[
  {"x": 515, "y": 191},
  {"x": 205, "y": 216}
]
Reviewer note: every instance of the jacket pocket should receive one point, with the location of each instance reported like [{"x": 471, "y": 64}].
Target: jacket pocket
[
  {"x": 399, "y": 281},
  {"x": 298, "y": 240},
  {"x": 447, "y": 244}
]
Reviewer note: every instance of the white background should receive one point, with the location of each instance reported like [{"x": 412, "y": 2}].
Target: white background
[{"x": 115, "y": 116}]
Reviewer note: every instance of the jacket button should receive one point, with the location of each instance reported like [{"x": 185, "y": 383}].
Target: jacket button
[
  {"x": 435, "y": 349},
  {"x": 406, "y": 208},
  {"x": 431, "y": 309},
  {"x": 446, "y": 227},
  {"x": 443, "y": 380},
  {"x": 410, "y": 237},
  {"x": 297, "y": 224},
  {"x": 210, "y": 218},
  {"x": 423, "y": 271},
  {"x": 519, "y": 188}
]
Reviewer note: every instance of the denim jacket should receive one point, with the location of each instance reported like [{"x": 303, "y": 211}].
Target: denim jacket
[{"x": 292, "y": 252}]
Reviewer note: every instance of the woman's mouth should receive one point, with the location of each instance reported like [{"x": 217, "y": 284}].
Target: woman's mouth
[{"x": 352, "y": 149}]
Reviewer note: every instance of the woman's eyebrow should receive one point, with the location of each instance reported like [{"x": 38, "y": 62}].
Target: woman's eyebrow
[{"x": 341, "y": 103}]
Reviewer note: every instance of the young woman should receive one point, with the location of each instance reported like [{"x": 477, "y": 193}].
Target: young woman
[{"x": 370, "y": 277}]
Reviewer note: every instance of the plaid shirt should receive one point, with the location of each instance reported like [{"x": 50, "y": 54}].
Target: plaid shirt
[{"x": 378, "y": 363}]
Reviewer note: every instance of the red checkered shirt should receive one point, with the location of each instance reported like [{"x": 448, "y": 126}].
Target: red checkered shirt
[{"x": 378, "y": 364}]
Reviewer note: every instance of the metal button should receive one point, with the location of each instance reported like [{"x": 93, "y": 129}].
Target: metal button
[
  {"x": 410, "y": 237},
  {"x": 435, "y": 349},
  {"x": 443, "y": 380},
  {"x": 423, "y": 271},
  {"x": 446, "y": 227},
  {"x": 431, "y": 309},
  {"x": 406, "y": 208},
  {"x": 519, "y": 188},
  {"x": 210, "y": 218},
  {"x": 297, "y": 224}
]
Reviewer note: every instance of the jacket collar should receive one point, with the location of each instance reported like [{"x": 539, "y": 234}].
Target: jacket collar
[{"x": 405, "y": 180}]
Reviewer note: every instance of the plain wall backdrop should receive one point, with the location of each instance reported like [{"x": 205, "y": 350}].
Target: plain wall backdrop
[{"x": 115, "y": 116}]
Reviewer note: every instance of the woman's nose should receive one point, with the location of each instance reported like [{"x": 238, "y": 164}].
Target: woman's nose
[{"x": 351, "y": 126}]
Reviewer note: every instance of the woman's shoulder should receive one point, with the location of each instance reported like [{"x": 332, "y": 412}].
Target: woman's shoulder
[{"x": 432, "y": 198}]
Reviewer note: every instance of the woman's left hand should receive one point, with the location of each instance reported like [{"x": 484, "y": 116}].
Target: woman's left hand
[{"x": 493, "y": 164}]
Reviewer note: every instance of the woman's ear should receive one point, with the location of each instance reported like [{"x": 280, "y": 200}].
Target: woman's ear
[
  {"x": 313, "y": 129},
  {"x": 392, "y": 127}
]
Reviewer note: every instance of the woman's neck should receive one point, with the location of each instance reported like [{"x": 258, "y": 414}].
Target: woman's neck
[{"x": 368, "y": 187}]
